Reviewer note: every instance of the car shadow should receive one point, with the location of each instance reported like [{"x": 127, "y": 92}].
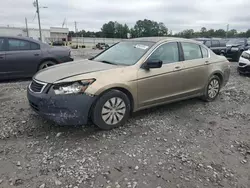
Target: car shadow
[
  {"x": 45, "y": 128},
  {"x": 14, "y": 80}
]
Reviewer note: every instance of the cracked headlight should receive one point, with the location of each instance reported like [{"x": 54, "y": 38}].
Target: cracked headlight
[{"x": 73, "y": 87}]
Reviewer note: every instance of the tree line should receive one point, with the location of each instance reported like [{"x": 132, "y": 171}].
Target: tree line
[{"x": 148, "y": 28}]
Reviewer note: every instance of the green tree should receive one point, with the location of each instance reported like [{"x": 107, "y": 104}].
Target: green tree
[
  {"x": 220, "y": 33},
  {"x": 163, "y": 30},
  {"x": 248, "y": 33},
  {"x": 147, "y": 28},
  {"x": 232, "y": 33},
  {"x": 203, "y": 30},
  {"x": 108, "y": 29}
]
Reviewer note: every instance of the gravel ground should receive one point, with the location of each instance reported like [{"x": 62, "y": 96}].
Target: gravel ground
[{"x": 185, "y": 144}]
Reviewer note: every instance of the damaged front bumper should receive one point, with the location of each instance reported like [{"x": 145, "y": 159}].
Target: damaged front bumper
[
  {"x": 68, "y": 109},
  {"x": 244, "y": 69}
]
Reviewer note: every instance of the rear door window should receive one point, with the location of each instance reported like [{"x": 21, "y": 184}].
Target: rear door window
[
  {"x": 2, "y": 44},
  {"x": 18, "y": 45},
  {"x": 34, "y": 46},
  {"x": 215, "y": 43},
  {"x": 191, "y": 51},
  {"x": 208, "y": 43}
]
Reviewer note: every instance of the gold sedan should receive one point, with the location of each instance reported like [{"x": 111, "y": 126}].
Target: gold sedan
[{"x": 129, "y": 76}]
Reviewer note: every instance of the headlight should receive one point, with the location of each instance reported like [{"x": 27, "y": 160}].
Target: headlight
[{"x": 73, "y": 87}]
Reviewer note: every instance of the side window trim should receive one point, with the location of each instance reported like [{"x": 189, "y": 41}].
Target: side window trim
[
  {"x": 181, "y": 53},
  {"x": 166, "y": 42},
  {"x": 201, "y": 51}
]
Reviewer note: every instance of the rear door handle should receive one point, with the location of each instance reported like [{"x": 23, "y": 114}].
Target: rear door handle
[
  {"x": 206, "y": 62},
  {"x": 36, "y": 54},
  {"x": 1, "y": 57}
]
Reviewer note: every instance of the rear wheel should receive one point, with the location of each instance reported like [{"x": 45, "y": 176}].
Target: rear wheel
[
  {"x": 222, "y": 53},
  {"x": 212, "y": 89},
  {"x": 111, "y": 110},
  {"x": 46, "y": 64}
]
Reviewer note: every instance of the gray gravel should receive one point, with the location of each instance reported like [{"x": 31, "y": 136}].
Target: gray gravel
[{"x": 185, "y": 144}]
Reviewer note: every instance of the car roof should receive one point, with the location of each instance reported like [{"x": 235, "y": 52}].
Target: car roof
[
  {"x": 209, "y": 39},
  {"x": 159, "y": 39},
  {"x": 22, "y": 38}
]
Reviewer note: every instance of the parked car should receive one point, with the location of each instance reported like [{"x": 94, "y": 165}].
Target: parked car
[
  {"x": 218, "y": 46},
  {"x": 58, "y": 43},
  {"x": 129, "y": 76},
  {"x": 244, "y": 63},
  {"x": 101, "y": 46},
  {"x": 22, "y": 57},
  {"x": 235, "y": 47}
]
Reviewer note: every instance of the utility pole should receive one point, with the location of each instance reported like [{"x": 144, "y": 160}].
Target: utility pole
[
  {"x": 76, "y": 33},
  {"x": 27, "y": 29},
  {"x": 39, "y": 23},
  {"x": 227, "y": 30}
]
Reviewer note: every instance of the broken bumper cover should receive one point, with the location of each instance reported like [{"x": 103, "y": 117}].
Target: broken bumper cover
[
  {"x": 244, "y": 69},
  {"x": 62, "y": 109}
]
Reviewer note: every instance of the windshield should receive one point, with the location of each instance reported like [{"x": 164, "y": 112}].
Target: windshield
[
  {"x": 124, "y": 53},
  {"x": 236, "y": 41}
]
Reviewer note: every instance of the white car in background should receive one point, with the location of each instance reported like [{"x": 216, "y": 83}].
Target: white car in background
[{"x": 244, "y": 63}]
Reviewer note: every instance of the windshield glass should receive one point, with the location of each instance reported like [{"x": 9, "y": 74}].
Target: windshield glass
[
  {"x": 236, "y": 41},
  {"x": 124, "y": 53}
]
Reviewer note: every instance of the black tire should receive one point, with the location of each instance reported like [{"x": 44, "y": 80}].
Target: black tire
[
  {"x": 206, "y": 97},
  {"x": 97, "y": 115},
  {"x": 46, "y": 64}
]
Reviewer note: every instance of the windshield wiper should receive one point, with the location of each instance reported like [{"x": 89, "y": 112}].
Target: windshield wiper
[{"x": 108, "y": 62}]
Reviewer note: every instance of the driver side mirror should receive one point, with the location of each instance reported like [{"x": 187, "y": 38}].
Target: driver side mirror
[{"x": 152, "y": 64}]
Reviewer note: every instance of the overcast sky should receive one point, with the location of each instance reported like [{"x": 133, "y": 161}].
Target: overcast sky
[{"x": 177, "y": 15}]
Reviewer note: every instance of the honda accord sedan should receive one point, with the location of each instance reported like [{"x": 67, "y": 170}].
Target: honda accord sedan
[
  {"x": 22, "y": 57},
  {"x": 129, "y": 76}
]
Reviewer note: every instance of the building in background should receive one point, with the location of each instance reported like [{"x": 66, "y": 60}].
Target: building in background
[{"x": 49, "y": 35}]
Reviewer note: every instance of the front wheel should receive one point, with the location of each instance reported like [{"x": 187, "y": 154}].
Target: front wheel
[
  {"x": 46, "y": 64},
  {"x": 111, "y": 110},
  {"x": 212, "y": 89}
]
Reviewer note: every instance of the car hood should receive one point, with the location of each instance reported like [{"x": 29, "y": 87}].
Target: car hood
[{"x": 66, "y": 70}]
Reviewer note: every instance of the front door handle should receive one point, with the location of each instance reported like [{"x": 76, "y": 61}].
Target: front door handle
[
  {"x": 36, "y": 54},
  {"x": 206, "y": 62},
  {"x": 1, "y": 57}
]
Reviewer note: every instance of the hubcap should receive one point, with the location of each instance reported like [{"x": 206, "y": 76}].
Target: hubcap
[
  {"x": 113, "y": 111},
  {"x": 46, "y": 65},
  {"x": 213, "y": 88}
]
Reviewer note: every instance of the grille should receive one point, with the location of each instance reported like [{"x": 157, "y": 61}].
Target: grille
[
  {"x": 36, "y": 87},
  {"x": 242, "y": 64}
]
